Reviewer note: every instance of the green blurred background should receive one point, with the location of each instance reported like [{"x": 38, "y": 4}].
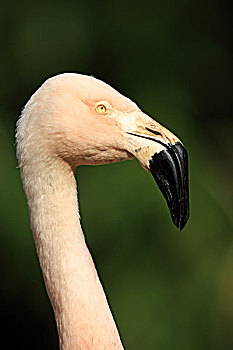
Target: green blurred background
[{"x": 167, "y": 289}]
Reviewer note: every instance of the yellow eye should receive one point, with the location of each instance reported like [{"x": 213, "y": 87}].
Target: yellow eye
[{"x": 101, "y": 109}]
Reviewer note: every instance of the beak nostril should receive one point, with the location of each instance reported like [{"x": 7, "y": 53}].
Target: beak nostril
[{"x": 154, "y": 132}]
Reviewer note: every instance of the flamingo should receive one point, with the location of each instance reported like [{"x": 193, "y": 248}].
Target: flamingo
[{"x": 71, "y": 120}]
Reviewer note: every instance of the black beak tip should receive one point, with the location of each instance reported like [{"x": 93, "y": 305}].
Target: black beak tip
[
  {"x": 170, "y": 171},
  {"x": 180, "y": 223}
]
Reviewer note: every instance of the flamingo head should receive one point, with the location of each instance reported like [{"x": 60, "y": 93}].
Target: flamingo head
[{"x": 82, "y": 120}]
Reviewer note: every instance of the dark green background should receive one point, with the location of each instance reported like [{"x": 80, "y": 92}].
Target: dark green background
[{"x": 167, "y": 289}]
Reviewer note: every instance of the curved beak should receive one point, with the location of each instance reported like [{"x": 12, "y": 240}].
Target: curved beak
[
  {"x": 162, "y": 153},
  {"x": 169, "y": 168}
]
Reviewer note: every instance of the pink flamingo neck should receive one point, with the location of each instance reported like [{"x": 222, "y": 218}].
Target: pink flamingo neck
[{"x": 83, "y": 317}]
